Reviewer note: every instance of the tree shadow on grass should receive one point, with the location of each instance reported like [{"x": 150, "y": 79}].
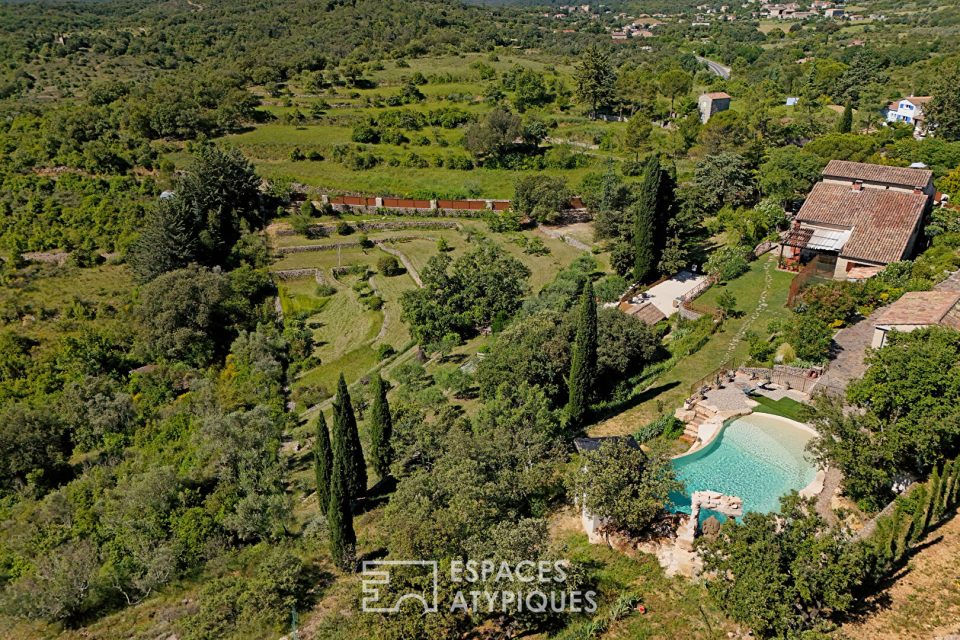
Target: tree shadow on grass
[
  {"x": 376, "y": 496},
  {"x": 619, "y": 407}
]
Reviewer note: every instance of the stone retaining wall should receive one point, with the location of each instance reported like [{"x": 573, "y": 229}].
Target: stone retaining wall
[{"x": 308, "y": 248}]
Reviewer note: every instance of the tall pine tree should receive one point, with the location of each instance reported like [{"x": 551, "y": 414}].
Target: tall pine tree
[
  {"x": 167, "y": 242},
  {"x": 381, "y": 429},
  {"x": 583, "y": 363},
  {"x": 351, "y": 454},
  {"x": 322, "y": 463},
  {"x": 343, "y": 539}
]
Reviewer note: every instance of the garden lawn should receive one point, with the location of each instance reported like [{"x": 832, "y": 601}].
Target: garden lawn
[
  {"x": 786, "y": 407},
  {"x": 726, "y": 347}
]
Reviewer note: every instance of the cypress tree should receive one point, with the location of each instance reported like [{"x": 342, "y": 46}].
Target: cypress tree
[
  {"x": 168, "y": 240},
  {"x": 921, "y": 498},
  {"x": 645, "y": 221},
  {"x": 322, "y": 463},
  {"x": 583, "y": 363},
  {"x": 943, "y": 501},
  {"x": 381, "y": 429},
  {"x": 846, "y": 120},
  {"x": 350, "y": 453},
  {"x": 955, "y": 485},
  {"x": 930, "y": 515},
  {"x": 342, "y": 537}
]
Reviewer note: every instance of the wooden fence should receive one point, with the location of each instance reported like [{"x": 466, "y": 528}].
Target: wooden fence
[{"x": 811, "y": 271}]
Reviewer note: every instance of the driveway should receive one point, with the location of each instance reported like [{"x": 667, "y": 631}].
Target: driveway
[
  {"x": 663, "y": 294},
  {"x": 851, "y": 344}
]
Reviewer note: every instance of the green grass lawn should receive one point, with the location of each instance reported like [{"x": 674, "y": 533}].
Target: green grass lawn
[
  {"x": 726, "y": 347},
  {"x": 346, "y": 333},
  {"x": 786, "y": 407}
]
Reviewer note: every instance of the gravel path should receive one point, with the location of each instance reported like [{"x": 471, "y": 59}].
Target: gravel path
[
  {"x": 761, "y": 307},
  {"x": 570, "y": 240}
]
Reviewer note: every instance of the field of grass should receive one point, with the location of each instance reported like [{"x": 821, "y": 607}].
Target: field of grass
[
  {"x": 455, "y": 82},
  {"x": 761, "y": 294},
  {"x": 48, "y": 301},
  {"x": 346, "y": 333}
]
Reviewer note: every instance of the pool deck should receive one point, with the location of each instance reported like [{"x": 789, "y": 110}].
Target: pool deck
[{"x": 731, "y": 400}]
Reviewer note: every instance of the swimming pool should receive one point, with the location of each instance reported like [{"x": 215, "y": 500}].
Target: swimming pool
[{"x": 758, "y": 457}]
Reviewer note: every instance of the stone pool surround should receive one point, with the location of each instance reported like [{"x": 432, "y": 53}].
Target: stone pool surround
[{"x": 676, "y": 555}]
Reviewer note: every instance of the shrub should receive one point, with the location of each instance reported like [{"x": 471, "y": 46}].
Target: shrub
[
  {"x": 503, "y": 221},
  {"x": 541, "y": 197},
  {"x": 414, "y": 161},
  {"x": 323, "y": 290},
  {"x": 384, "y": 351},
  {"x": 460, "y": 163},
  {"x": 366, "y": 133},
  {"x": 726, "y": 263},
  {"x": 610, "y": 288},
  {"x": 666, "y": 425},
  {"x": 344, "y": 228},
  {"x": 389, "y": 266},
  {"x": 374, "y": 303}
]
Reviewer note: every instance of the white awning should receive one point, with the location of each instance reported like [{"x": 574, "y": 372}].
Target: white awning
[{"x": 828, "y": 239}]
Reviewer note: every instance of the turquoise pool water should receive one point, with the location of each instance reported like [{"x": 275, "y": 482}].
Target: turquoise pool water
[{"x": 758, "y": 457}]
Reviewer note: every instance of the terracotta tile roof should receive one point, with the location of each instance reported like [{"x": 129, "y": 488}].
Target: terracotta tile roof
[
  {"x": 919, "y": 100},
  {"x": 900, "y": 176},
  {"x": 919, "y": 307},
  {"x": 647, "y": 312},
  {"x": 862, "y": 273},
  {"x": 882, "y": 220},
  {"x": 718, "y": 95}
]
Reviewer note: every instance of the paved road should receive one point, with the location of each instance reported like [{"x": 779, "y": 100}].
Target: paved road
[{"x": 716, "y": 68}]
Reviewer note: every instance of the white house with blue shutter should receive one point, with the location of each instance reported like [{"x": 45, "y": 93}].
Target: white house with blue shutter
[{"x": 910, "y": 111}]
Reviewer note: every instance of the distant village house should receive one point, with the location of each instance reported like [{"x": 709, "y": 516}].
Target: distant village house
[
  {"x": 910, "y": 111},
  {"x": 711, "y": 103}
]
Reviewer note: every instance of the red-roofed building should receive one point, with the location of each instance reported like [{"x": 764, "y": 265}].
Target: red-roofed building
[
  {"x": 859, "y": 218},
  {"x": 917, "y": 310},
  {"x": 711, "y": 103}
]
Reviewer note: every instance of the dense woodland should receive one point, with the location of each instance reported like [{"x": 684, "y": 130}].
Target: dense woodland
[{"x": 171, "y": 462}]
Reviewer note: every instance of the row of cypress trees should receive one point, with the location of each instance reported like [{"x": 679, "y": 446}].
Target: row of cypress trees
[
  {"x": 914, "y": 514},
  {"x": 340, "y": 467}
]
